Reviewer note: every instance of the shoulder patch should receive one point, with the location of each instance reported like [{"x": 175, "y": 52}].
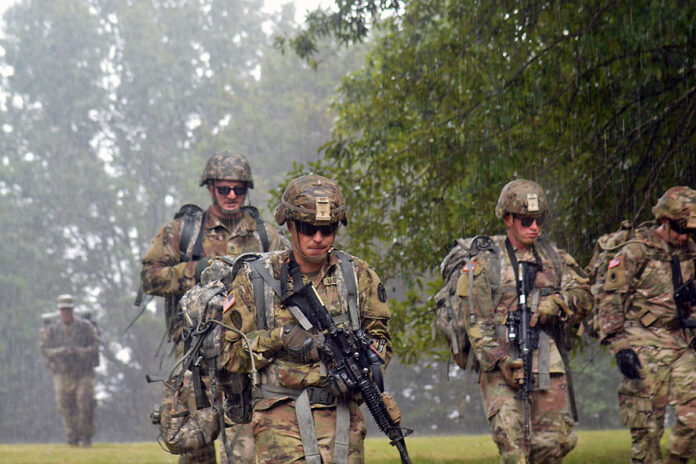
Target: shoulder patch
[
  {"x": 381, "y": 293},
  {"x": 229, "y": 301}
]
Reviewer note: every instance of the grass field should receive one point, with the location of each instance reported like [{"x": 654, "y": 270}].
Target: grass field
[{"x": 595, "y": 447}]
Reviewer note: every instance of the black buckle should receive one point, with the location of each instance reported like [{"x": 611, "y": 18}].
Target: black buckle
[{"x": 320, "y": 396}]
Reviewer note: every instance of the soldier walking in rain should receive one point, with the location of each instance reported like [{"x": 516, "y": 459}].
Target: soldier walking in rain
[
  {"x": 183, "y": 248},
  {"x": 297, "y": 415},
  {"x": 70, "y": 346},
  {"x": 646, "y": 317},
  {"x": 514, "y": 295}
]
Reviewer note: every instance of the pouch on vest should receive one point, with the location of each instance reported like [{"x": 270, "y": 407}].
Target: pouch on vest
[{"x": 183, "y": 430}]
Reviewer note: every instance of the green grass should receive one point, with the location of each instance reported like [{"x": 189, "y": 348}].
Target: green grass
[{"x": 597, "y": 447}]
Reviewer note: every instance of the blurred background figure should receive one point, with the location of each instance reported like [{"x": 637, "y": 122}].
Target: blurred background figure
[{"x": 70, "y": 345}]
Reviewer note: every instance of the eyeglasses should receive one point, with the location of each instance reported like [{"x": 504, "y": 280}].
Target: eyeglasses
[
  {"x": 679, "y": 227},
  {"x": 224, "y": 191},
  {"x": 527, "y": 221},
  {"x": 306, "y": 228}
]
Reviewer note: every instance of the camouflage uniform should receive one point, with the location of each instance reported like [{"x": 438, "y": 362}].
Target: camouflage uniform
[
  {"x": 71, "y": 352},
  {"x": 552, "y": 436},
  {"x": 274, "y": 419},
  {"x": 165, "y": 274},
  {"x": 637, "y": 312}
]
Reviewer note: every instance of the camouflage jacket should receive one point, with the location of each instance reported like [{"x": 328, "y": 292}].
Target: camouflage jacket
[
  {"x": 164, "y": 273},
  {"x": 70, "y": 348},
  {"x": 636, "y": 304},
  {"x": 486, "y": 326},
  {"x": 273, "y": 366}
]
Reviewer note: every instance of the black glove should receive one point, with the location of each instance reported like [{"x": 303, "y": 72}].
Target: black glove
[
  {"x": 201, "y": 264},
  {"x": 299, "y": 345},
  {"x": 629, "y": 364}
]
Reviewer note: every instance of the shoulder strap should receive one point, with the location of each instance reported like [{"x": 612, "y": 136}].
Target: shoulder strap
[
  {"x": 351, "y": 281},
  {"x": 259, "y": 276},
  {"x": 193, "y": 218},
  {"x": 260, "y": 226}
]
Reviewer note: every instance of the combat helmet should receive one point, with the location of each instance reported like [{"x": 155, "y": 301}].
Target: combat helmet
[
  {"x": 313, "y": 199},
  {"x": 227, "y": 166},
  {"x": 522, "y": 196},
  {"x": 677, "y": 204},
  {"x": 65, "y": 301}
]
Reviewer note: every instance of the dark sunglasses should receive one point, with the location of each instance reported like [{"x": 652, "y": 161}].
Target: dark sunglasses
[
  {"x": 527, "y": 221},
  {"x": 310, "y": 229},
  {"x": 224, "y": 191},
  {"x": 679, "y": 227}
]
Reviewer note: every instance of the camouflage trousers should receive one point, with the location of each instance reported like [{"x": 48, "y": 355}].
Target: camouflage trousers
[
  {"x": 241, "y": 436},
  {"x": 668, "y": 378},
  {"x": 278, "y": 438},
  {"x": 552, "y": 435},
  {"x": 75, "y": 400}
]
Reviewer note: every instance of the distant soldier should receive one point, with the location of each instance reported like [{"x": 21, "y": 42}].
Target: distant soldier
[
  {"x": 297, "y": 417},
  {"x": 70, "y": 346},
  {"x": 485, "y": 275},
  {"x": 646, "y": 317},
  {"x": 183, "y": 248}
]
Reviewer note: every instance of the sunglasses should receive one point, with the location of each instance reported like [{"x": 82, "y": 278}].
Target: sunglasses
[
  {"x": 310, "y": 229},
  {"x": 679, "y": 227},
  {"x": 224, "y": 191},
  {"x": 527, "y": 221}
]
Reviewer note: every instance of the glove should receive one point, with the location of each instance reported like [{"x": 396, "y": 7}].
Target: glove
[
  {"x": 201, "y": 264},
  {"x": 549, "y": 307},
  {"x": 299, "y": 345},
  {"x": 508, "y": 367},
  {"x": 629, "y": 364}
]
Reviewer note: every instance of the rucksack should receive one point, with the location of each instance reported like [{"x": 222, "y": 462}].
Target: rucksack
[
  {"x": 183, "y": 428},
  {"x": 449, "y": 318},
  {"x": 606, "y": 248}
]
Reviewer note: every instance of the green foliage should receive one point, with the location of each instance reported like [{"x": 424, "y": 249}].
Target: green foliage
[{"x": 456, "y": 98}]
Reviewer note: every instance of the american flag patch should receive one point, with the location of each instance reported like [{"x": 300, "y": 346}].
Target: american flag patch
[
  {"x": 614, "y": 262},
  {"x": 470, "y": 266},
  {"x": 229, "y": 301}
]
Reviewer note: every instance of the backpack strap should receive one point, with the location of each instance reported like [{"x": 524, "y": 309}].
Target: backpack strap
[
  {"x": 260, "y": 226},
  {"x": 193, "y": 220},
  {"x": 351, "y": 281}
]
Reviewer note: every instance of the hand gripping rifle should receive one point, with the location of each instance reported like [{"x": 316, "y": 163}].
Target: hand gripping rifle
[
  {"x": 684, "y": 295},
  {"x": 525, "y": 338},
  {"x": 354, "y": 360}
]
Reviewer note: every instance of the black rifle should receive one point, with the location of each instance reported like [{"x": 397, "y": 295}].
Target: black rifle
[
  {"x": 684, "y": 295},
  {"x": 525, "y": 338},
  {"x": 352, "y": 358}
]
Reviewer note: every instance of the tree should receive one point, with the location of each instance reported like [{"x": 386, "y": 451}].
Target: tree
[{"x": 594, "y": 101}]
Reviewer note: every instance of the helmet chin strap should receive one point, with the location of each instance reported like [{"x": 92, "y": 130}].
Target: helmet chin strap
[{"x": 296, "y": 248}]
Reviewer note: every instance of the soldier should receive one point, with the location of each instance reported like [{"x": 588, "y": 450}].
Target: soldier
[
  {"x": 650, "y": 333},
  {"x": 70, "y": 346},
  {"x": 296, "y": 418},
  {"x": 486, "y": 295},
  {"x": 176, "y": 257}
]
